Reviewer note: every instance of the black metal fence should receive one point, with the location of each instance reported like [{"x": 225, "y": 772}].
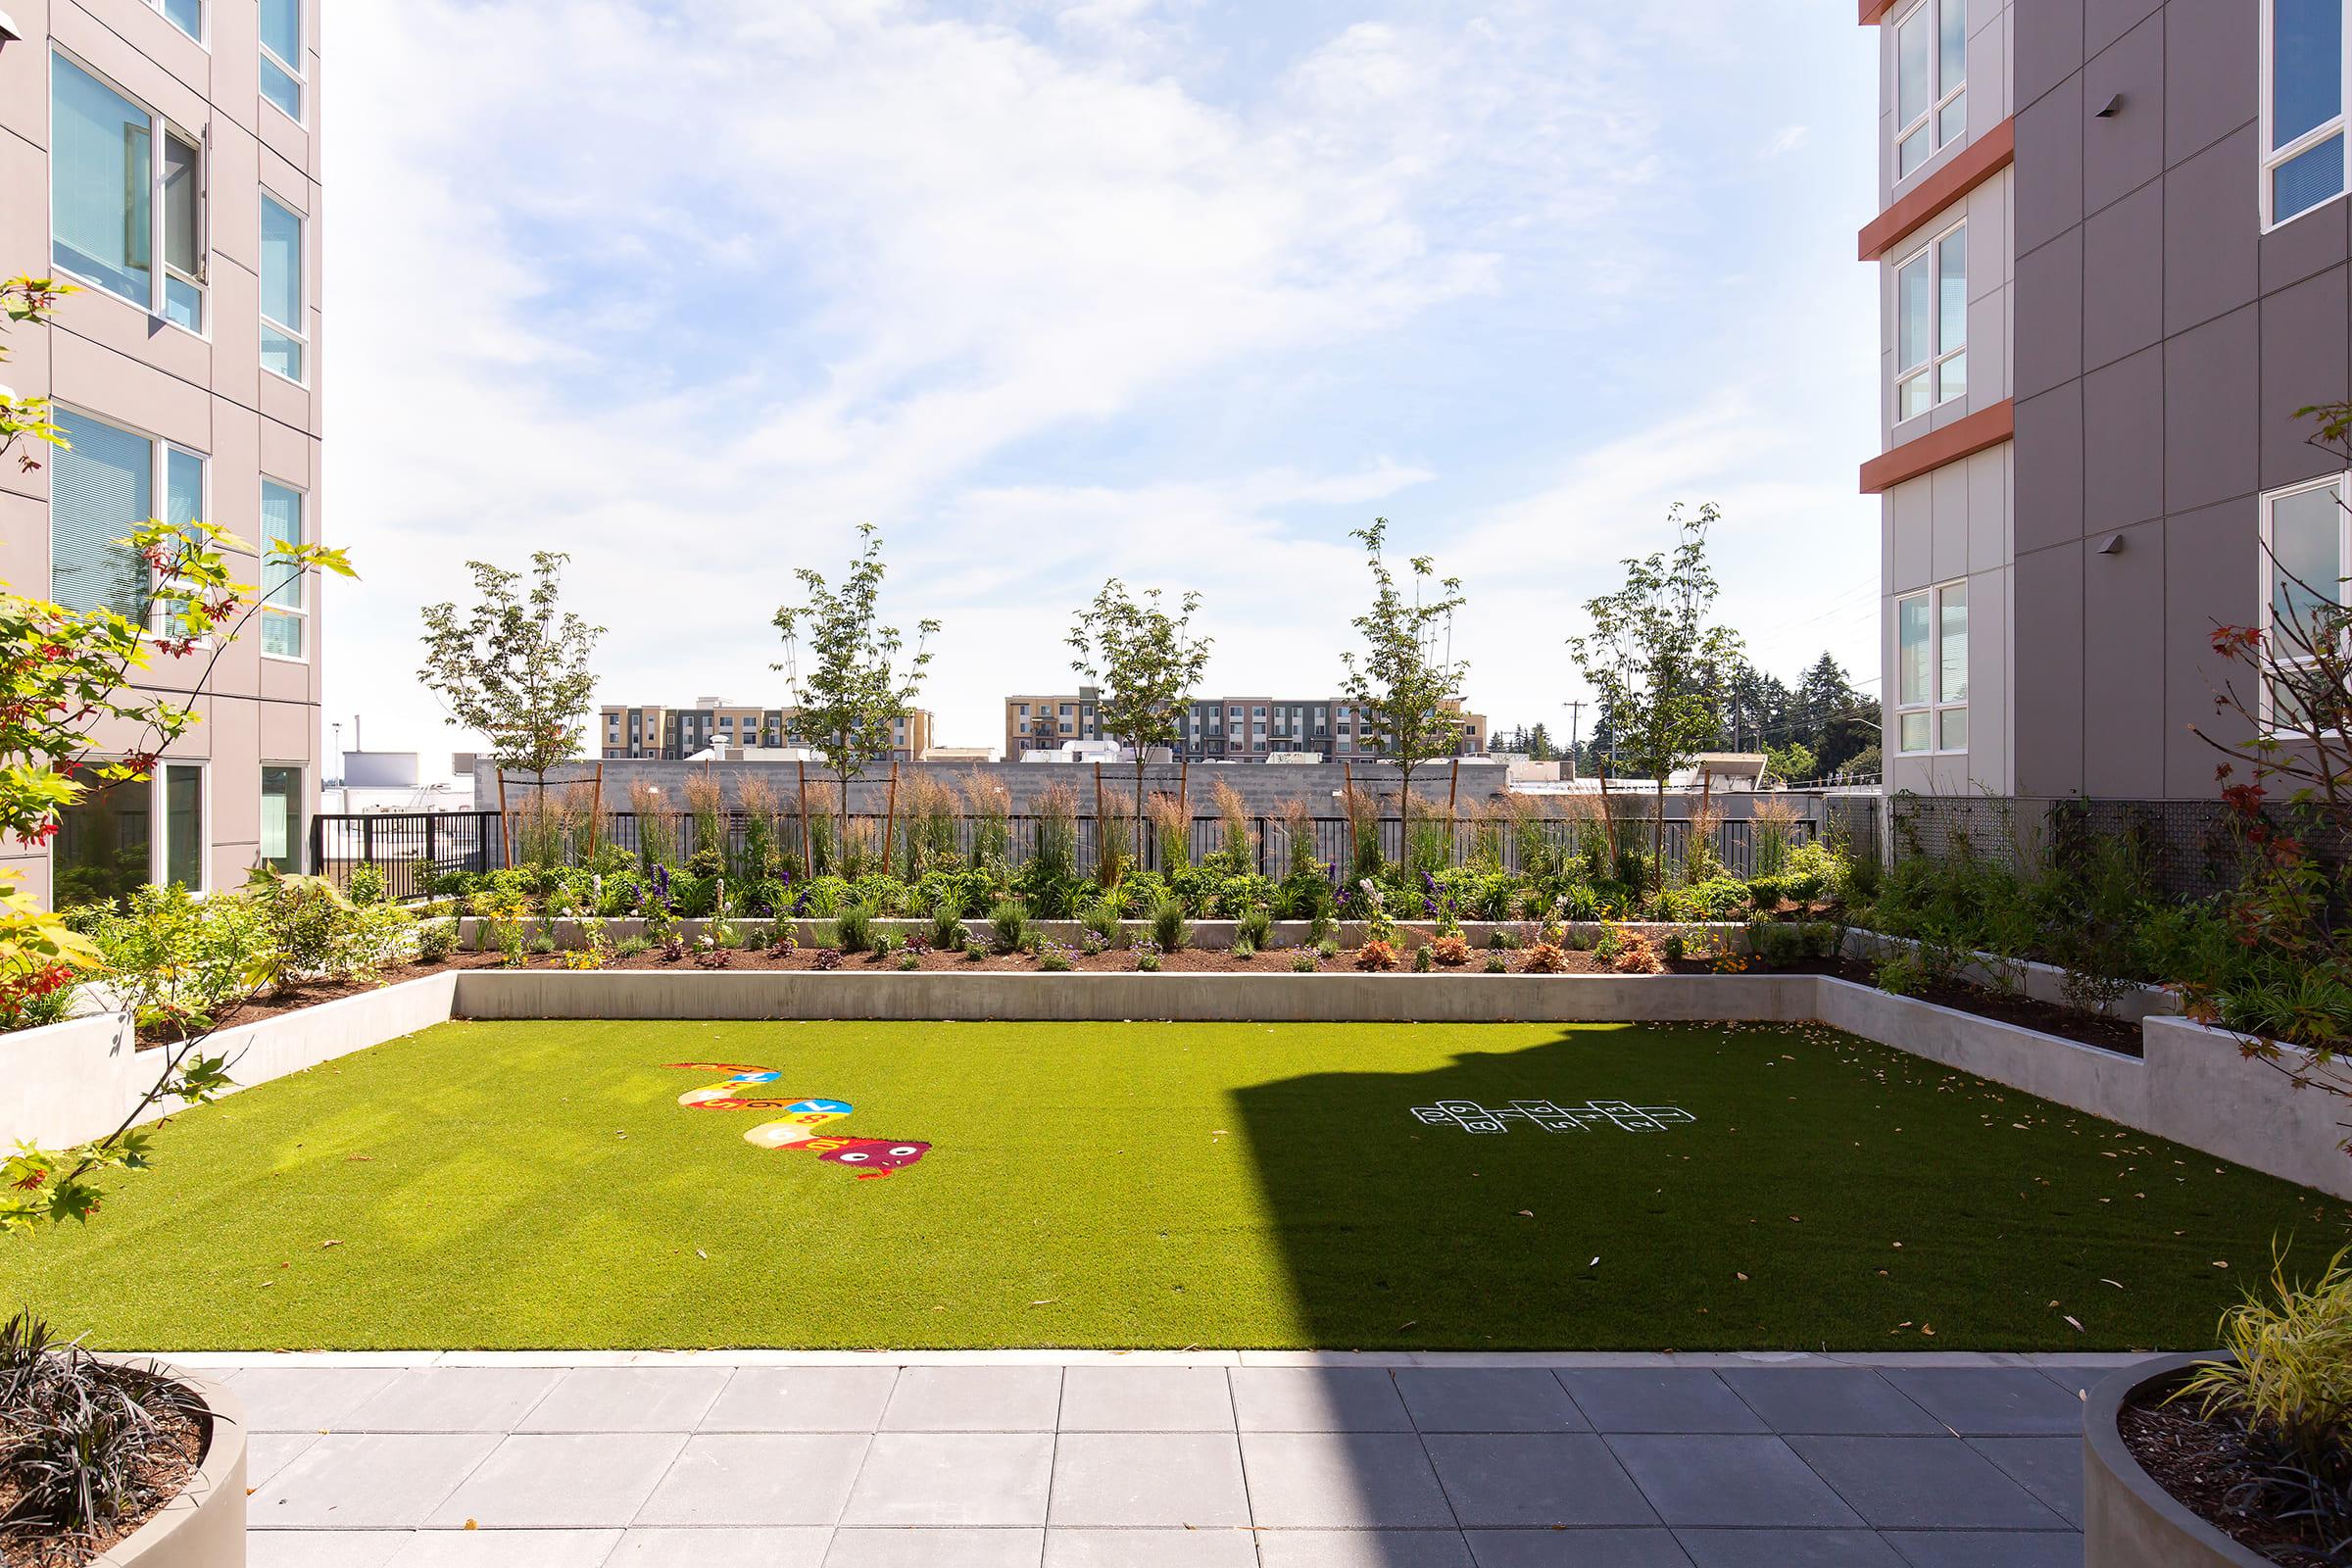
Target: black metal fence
[
  {"x": 401, "y": 845},
  {"x": 2182, "y": 848}
]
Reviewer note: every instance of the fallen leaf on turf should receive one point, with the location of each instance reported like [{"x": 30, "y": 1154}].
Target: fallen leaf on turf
[
  {"x": 473, "y": 1524},
  {"x": 1527, "y": 1213},
  {"x": 1595, "y": 1264},
  {"x": 1046, "y": 1300},
  {"x": 1735, "y": 1274},
  {"x": 324, "y": 1246},
  {"x": 704, "y": 1257},
  {"x": 2070, "y": 1317},
  {"x": 2104, "y": 1280},
  {"x": 2220, "y": 1263}
]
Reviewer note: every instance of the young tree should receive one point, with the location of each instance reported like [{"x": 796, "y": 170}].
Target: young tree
[
  {"x": 855, "y": 684},
  {"x": 1407, "y": 674},
  {"x": 1655, "y": 663},
  {"x": 515, "y": 667},
  {"x": 1148, "y": 664},
  {"x": 1538, "y": 745}
]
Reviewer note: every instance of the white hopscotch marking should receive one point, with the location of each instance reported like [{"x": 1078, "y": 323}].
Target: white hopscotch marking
[{"x": 1472, "y": 1117}]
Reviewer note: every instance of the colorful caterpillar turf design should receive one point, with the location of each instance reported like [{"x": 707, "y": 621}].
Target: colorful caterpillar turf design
[{"x": 870, "y": 1158}]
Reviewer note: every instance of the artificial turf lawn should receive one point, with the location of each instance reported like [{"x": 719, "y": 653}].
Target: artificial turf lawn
[{"x": 515, "y": 1185}]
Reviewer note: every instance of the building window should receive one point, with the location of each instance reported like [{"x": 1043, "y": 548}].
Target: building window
[
  {"x": 123, "y": 836},
  {"x": 281, "y": 54},
  {"x": 185, "y": 15},
  {"x": 1931, "y": 670},
  {"x": 2303, "y": 73},
  {"x": 281, "y": 817},
  {"x": 283, "y": 608},
  {"x": 1931, "y": 304},
  {"x": 282, "y": 334},
  {"x": 1931, "y": 81},
  {"x": 2307, "y": 551},
  {"x": 102, "y": 487},
  {"x": 116, "y": 206}
]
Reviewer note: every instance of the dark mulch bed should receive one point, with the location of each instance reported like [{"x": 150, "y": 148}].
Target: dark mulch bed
[
  {"x": 2108, "y": 1034},
  {"x": 2202, "y": 1463},
  {"x": 163, "y": 1472}
]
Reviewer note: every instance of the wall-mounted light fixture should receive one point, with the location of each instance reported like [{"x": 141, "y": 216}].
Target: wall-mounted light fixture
[
  {"x": 2114, "y": 545},
  {"x": 2113, "y": 107}
]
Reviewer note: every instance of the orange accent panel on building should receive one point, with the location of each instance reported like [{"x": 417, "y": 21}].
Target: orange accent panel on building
[
  {"x": 1962, "y": 438},
  {"x": 1972, "y": 166}
]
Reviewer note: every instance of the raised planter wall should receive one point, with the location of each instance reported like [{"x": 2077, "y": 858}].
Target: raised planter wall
[
  {"x": 203, "y": 1527},
  {"x": 2129, "y": 1521},
  {"x": 74, "y": 1080},
  {"x": 2043, "y": 982},
  {"x": 569, "y": 932}
]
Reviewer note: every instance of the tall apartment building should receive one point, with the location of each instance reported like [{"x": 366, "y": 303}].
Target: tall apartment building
[
  {"x": 656, "y": 731},
  {"x": 2114, "y": 249},
  {"x": 1222, "y": 728},
  {"x": 163, "y": 157}
]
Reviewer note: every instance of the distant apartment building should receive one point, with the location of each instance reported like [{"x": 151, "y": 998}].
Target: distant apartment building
[
  {"x": 2113, "y": 249},
  {"x": 1224, "y": 728},
  {"x": 673, "y": 733},
  {"x": 163, "y": 157}
]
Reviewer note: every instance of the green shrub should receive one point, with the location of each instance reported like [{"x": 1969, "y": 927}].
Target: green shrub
[
  {"x": 1497, "y": 965},
  {"x": 947, "y": 926},
  {"x": 1101, "y": 922},
  {"x": 1302, "y": 963},
  {"x": 1423, "y": 962},
  {"x": 436, "y": 940},
  {"x": 1009, "y": 925},
  {"x": 853, "y": 930},
  {"x": 1256, "y": 927},
  {"x": 630, "y": 947},
  {"x": 974, "y": 951},
  {"x": 1903, "y": 974},
  {"x": 1171, "y": 931},
  {"x": 1766, "y": 893},
  {"x": 1147, "y": 961},
  {"x": 367, "y": 884},
  {"x": 908, "y": 961}
]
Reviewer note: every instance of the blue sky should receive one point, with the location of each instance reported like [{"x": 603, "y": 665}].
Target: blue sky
[{"x": 1177, "y": 290}]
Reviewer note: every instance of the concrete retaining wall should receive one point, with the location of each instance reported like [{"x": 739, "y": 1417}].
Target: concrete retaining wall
[
  {"x": 2204, "y": 1093},
  {"x": 1212, "y": 935},
  {"x": 2043, "y": 982}
]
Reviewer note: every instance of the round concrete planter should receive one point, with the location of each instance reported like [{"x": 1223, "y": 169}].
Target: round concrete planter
[
  {"x": 203, "y": 1527},
  {"x": 2129, "y": 1521}
]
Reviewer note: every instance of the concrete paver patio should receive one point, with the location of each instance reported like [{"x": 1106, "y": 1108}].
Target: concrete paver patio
[{"x": 1161, "y": 1462}]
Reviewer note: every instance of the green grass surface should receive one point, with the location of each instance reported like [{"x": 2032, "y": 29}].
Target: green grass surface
[{"x": 509, "y": 1185}]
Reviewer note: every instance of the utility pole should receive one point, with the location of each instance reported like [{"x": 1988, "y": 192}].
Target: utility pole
[{"x": 1576, "y": 712}]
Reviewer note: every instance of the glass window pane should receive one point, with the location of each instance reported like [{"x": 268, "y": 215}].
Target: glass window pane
[
  {"x": 281, "y": 89},
  {"x": 101, "y": 847},
  {"x": 183, "y": 487},
  {"x": 188, "y": 15},
  {"x": 1914, "y": 307},
  {"x": 100, "y": 488},
  {"x": 183, "y": 303},
  {"x": 1912, "y": 151},
  {"x": 1919, "y": 396},
  {"x": 1951, "y": 379},
  {"x": 1951, "y": 294},
  {"x": 1952, "y": 120},
  {"x": 282, "y": 816},
  {"x": 183, "y": 824},
  {"x": 281, "y": 30},
  {"x": 1914, "y": 62},
  {"x": 1952, "y": 45},
  {"x": 2312, "y": 177},
  {"x": 2306, "y": 571},
  {"x": 101, "y": 176},
  {"x": 281, "y": 264},
  {"x": 1915, "y": 732},
  {"x": 2307, "y": 66},
  {"x": 1911, "y": 643},
  {"x": 281, "y": 524},
  {"x": 1951, "y": 685},
  {"x": 1951, "y": 726},
  {"x": 181, "y": 191}
]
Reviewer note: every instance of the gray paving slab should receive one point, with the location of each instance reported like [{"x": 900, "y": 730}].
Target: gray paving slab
[
  {"x": 1363, "y": 1548},
  {"x": 1342, "y": 1481},
  {"x": 1274, "y": 1398},
  {"x": 627, "y": 1398},
  {"x": 952, "y": 1480},
  {"x": 1172, "y": 1479},
  {"x": 785, "y": 1546},
  {"x": 1535, "y": 1480},
  {"x": 306, "y": 1399},
  {"x": 1828, "y": 1400},
  {"x": 802, "y": 1398},
  {"x": 1992, "y": 1402},
  {"x": 1576, "y": 1549},
  {"x": 368, "y": 1480},
  {"x": 1151, "y": 1548},
  {"x": 974, "y": 1398},
  {"x": 1923, "y": 1484},
  {"x": 268, "y": 1452},
  {"x": 1700, "y": 1481},
  {"x": 1494, "y": 1399},
  {"x": 454, "y": 1399},
  {"x": 321, "y": 1548},
  {"x": 935, "y": 1548},
  {"x": 757, "y": 1478},
  {"x": 1996, "y": 1548},
  {"x": 2050, "y": 1468},
  {"x": 1659, "y": 1400},
  {"x": 542, "y": 1480},
  {"x": 1789, "y": 1548},
  {"x": 507, "y": 1548},
  {"x": 1145, "y": 1398}
]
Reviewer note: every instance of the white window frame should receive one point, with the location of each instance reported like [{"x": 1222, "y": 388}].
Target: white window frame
[
  {"x": 159, "y": 821},
  {"x": 302, "y": 283},
  {"x": 202, "y": 36},
  {"x": 298, "y": 830},
  {"x": 159, "y": 270},
  {"x": 269, "y": 604},
  {"x": 2341, "y": 124},
  {"x": 1929, "y": 252},
  {"x": 2341, "y": 486},
  {"x": 1934, "y": 706},
  {"x": 302, "y": 79},
  {"x": 1940, "y": 99},
  {"x": 158, "y": 490}
]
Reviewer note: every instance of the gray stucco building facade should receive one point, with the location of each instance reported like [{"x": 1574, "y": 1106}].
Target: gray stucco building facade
[{"x": 2155, "y": 190}]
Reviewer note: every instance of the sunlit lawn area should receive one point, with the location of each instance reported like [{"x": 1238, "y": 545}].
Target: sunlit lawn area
[{"x": 507, "y": 1184}]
